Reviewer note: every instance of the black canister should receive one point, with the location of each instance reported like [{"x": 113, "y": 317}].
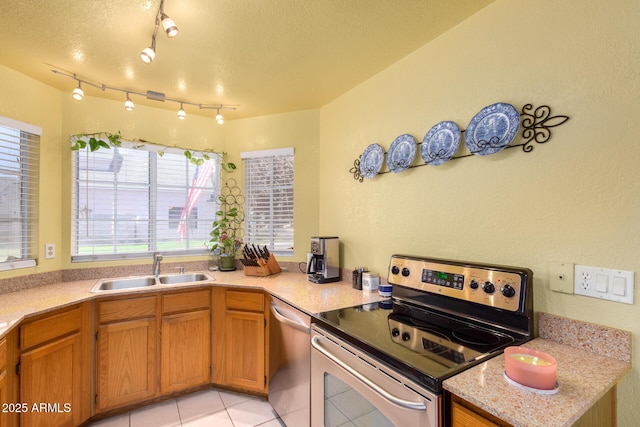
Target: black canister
[{"x": 357, "y": 277}]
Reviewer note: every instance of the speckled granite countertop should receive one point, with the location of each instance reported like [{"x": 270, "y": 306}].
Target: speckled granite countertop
[
  {"x": 583, "y": 375},
  {"x": 292, "y": 287}
]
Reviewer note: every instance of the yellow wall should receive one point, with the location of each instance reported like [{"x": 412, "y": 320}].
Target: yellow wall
[{"x": 575, "y": 198}]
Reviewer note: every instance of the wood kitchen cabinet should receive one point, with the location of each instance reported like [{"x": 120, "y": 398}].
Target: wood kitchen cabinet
[
  {"x": 185, "y": 340},
  {"x": 151, "y": 345},
  {"x": 4, "y": 384},
  {"x": 127, "y": 359},
  {"x": 239, "y": 339},
  {"x": 465, "y": 414},
  {"x": 55, "y": 368}
]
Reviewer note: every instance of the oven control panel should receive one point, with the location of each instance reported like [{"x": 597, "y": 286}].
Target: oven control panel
[{"x": 495, "y": 286}]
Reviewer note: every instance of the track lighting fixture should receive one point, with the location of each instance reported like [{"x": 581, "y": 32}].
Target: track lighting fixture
[
  {"x": 149, "y": 53},
  {"x": 128, "y": 104},
  {"x": 78, "y": 94}
]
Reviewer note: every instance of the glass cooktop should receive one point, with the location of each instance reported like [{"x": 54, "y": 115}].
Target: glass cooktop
[{"x": 427, "y": 345}]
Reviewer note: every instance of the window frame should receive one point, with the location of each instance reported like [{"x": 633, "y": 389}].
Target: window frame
[
  {"x": 273, "y": 241},
  {"x": 155, "y": 153},
  {"x": 29, "y": 204}
]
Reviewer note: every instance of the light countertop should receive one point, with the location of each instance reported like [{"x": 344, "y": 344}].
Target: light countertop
[
  {"x": 583, "y": 378},
  {"x": 292, "y": 287}
]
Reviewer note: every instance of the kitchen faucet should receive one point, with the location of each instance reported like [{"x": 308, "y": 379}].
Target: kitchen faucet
[{"x": 156, "y": 263}]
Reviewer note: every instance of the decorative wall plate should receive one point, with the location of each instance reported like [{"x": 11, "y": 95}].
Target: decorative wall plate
[
  {"x": 492, "y": 129},
  {"x": 401, "y": 153},
  {"x": 371, "y": 160},
  {"x": 440, "y": 143}
]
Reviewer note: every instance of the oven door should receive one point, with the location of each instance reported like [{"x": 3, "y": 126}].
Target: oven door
[{"x": 347, "y": 385}]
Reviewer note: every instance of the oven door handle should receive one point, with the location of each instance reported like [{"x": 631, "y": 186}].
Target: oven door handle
[
  {"x": 292, "y": 323},
  {"x": 419, "y": 406}
]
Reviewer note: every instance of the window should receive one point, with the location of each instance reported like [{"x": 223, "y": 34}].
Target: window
[
  {"x": 19, "y": 152},
  {"x": 129, "y": 202},
  {"x": 269, "y": 199}
]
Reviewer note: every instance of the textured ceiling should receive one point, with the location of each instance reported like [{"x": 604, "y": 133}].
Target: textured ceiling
[{"x": 265, "y": 56}]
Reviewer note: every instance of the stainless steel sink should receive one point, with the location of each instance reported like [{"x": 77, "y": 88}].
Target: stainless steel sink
[
  {"x": 145, "y": 281},
  {"x": 183, "y": 278},
  {"x": 125, "y": 283}
]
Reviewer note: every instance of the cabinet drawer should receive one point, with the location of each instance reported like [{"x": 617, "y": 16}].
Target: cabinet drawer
[
  {"x": 185, "y": 301},
  {"x": 123, "y": 309},
  {"x": 3, "y": 354},
  {"x": 48, "y": 328},
  {"x": 244, "y": 301}
]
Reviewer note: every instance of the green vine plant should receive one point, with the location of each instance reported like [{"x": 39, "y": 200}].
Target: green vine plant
[{"x": 105, "y": 140}]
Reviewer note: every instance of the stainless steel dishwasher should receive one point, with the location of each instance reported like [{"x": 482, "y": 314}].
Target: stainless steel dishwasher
[{"x": 290, "y": 363}]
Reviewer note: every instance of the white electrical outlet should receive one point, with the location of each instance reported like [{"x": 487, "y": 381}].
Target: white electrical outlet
[
  {"x": 49, "y": 250},
  {"x": 561, "y": 277},
  {"x": 604, "y": 283}
]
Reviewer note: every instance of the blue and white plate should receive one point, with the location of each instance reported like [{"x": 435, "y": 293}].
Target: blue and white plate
[
  {"x": 492, "y": 129},
  {"x": 371, "y": 160},
  {"x": 401, "y": 153},
  {"x": 440, "y": 143}
]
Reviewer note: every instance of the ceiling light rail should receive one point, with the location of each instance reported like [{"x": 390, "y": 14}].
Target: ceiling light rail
[{"x": 78, "y": 94}]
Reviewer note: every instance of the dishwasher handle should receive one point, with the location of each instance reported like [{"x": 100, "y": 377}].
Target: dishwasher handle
[
  {"x": 289, "y": 322},
  {"x": 418, "y": 406}
]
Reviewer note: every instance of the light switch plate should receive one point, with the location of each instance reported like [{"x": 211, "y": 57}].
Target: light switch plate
[
  {"x": 561, "y": 277},
  {"x": 604, "y": 283}
]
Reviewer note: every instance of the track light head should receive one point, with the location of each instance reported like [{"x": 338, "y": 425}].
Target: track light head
[
  {"x": 128, "y": 104},
  {"x": 148, "y": 53},
  {"x": 181, "y": 113},
  {"x": 169, "y": 26},
  {"x": 219, "y": 118},
  {"x": 78, "y": 93}
]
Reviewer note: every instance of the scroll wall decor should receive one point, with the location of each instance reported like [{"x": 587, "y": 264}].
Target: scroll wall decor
[{"x": 490, "y": 131}]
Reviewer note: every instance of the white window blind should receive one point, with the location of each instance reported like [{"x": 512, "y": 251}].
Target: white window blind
[
  {"x": 129, "y": 202},
  {"x": 19, "y": 167},
  {"x": 269, "y": 199}
]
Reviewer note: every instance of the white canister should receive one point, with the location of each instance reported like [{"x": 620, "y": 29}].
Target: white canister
[
  {"x": 370, "y": 282},
  {"x": 385, "y": 290}
]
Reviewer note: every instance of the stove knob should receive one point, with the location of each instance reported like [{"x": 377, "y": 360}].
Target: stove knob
[
  {"x": 489, "y": 287},
  {"x": 473, "y": 284},
  {"x": 395, "y": 269},
  {"x": 508, "y": 291},
  {"x": 395, "y": 332},
  {"x": 406, "y": 336},
  {"x": 405, "y": 272}
]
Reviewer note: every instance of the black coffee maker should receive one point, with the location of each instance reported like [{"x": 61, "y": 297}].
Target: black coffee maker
[{"x": 323, "y": 262}]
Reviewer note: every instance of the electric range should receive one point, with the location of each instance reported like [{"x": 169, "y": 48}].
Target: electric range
[{"x": 444, "y": 316}]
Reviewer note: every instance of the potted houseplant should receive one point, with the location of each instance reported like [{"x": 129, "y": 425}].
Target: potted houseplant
[{"x": 224, "y": 239}]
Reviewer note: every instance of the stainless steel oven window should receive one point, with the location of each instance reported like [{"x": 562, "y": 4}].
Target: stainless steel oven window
[
  {"x": 347, "y": 383},
  {"x": 343, "y": 404}
]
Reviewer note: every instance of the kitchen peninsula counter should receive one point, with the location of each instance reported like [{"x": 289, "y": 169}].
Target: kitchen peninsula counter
[
  {"x": 584, "y": 376},
  {"x": 292, "y": 287}
]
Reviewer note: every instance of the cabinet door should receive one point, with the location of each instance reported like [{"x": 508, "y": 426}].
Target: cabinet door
[
  {"x": 126, "y": 371},
  {"x": 186, "y": 350},
  {"x": 4, "y": 391},
  {"x": 244, "y": 348},
  {"x": 50, "y": 379}
]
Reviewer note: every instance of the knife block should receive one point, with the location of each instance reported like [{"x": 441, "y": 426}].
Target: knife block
[{"x": 271, "y": 267}]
